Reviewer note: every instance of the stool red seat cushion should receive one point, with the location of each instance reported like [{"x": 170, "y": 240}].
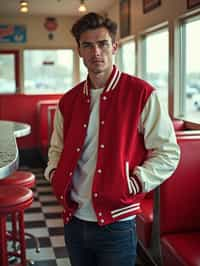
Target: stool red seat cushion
[
  {"x": 14, "y": 198},
  {"x": 181, "y": 249},
  {"x": 22, "y": 178}
]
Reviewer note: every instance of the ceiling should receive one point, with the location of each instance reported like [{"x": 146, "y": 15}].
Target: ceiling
[{"x": 53, "y": 7}]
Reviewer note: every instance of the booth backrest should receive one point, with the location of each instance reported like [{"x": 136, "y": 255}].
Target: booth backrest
[
  {"x": 180, "y": 194},
  {"x": 50, "y": 116},
  {"x": 178, "y": 124},
  {"x": 45, "y": 113}
]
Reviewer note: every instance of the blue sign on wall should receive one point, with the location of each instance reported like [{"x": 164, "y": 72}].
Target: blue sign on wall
[{"x": 12, "y": 33}]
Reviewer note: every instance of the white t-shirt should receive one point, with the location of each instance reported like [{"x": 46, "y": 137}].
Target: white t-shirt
[{"x": 83, "y": 176}]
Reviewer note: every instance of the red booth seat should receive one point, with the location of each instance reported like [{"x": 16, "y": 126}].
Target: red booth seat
[
  {"x": 178, "y": 124},
  {"x": 144, "y": 220},
  {"x": 181, "y": 249},
  {"x": 179, "y": 208},
  {"x": 182, "y": 130},
  {"x": 45, "y": 113}
]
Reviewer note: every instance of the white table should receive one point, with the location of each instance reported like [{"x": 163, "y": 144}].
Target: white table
[{"x": 9, "y": 155}]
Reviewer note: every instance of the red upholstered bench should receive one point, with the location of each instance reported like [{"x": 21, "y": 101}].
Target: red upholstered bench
[
  {"x": 45, "y": 114},
  {"x": 147, "y": 231},
  {"x": 144, "y": 220},
  {"x": 179, "y": 208},
  {"x": 178, "y": 124},
  {"x": 182, "y": 130}
]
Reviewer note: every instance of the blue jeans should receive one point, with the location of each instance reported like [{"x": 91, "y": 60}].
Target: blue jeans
[{"x": 89, "y": 244}]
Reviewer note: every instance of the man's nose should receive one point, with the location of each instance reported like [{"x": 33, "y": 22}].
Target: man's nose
[{"x": 96, "y": 49}]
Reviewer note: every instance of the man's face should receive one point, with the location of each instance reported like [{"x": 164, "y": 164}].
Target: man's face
[{"x": 96, "y": 49}]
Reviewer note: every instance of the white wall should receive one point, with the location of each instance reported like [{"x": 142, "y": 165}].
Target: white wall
[{"x": 37, "y": 35}]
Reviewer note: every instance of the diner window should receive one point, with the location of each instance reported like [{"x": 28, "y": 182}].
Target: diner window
[
  {"x": 48, "y": 71},
  {"x": 190, "y": 71},
  {"x": 9, "y": 71},
  {"x": 156, "y": 65},
  {"x": 126, "y": 57},
  {"x": 82, "y": 69}
]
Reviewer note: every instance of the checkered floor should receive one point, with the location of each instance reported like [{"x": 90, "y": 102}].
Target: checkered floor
[{"x": 43, "y": 220}]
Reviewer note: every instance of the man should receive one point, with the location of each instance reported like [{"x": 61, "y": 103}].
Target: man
[{"x": 112, "y": 141}]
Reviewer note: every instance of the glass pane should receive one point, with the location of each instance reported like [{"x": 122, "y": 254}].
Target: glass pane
[
  {"x": 83, "y": 70},
  {"x": 193, "y": 71},
  {"x": 157, "y": 54},
  {"x": 127, "y": 57},
  {"x": 48, "y": 71},
  {"x": 7, "y": 73}
]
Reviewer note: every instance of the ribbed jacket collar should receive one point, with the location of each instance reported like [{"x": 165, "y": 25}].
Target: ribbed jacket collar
[{"x": 110, "y": 84}]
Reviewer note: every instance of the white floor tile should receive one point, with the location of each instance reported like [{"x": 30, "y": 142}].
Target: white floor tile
[
  {"x": 57, "y": 241},
  {"x": 34, "y": 217},
  {"x": 45, "y": 254},
  {"x": 36, "y": 204},
  {"x": 54, "y": 222},
  {"x": 44, "y": 198},
  {"x": 38, "y": 232},
  {"x": 44, "y": 189},
  {"x": 63, "y": 262},
  {"x": 52, "y": 209}
]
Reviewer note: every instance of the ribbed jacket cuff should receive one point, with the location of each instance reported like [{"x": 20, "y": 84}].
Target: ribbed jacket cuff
[
  {"x": 135, "y": 184},
  {"x": 50, "y": 174}
]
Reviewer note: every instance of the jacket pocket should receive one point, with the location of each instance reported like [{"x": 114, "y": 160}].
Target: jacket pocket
[
  {"x": 128, "y": 177},
  {"x": 134, "y": 185}
]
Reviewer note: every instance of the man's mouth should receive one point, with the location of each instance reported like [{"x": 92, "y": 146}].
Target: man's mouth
[{"x": 97, "y": 61}]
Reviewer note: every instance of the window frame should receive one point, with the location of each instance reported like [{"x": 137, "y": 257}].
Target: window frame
[
  {"x": 181, "y": 74},
  {"x": 74, "y": 72},
  {"x": 16, "y": 54}
]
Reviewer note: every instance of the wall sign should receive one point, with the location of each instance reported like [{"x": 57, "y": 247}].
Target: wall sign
[
  {"x": 50, "y": 25},
  {"x": 12, "y": 33}
]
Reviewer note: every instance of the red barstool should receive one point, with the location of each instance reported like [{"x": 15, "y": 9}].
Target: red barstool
[
  {"x": 24, "y": 179},
  {"x": 21, "y": 178},
  {"x": 13, "y": 199}
]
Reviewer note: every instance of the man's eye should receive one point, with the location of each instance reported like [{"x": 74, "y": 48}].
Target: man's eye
[
  {"x": 104, "y": 44},
  {"x": 86, "y": 45}
]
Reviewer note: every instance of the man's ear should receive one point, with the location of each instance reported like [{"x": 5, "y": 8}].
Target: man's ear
[
  {"x": 78, "y": 50},
  {"x": 114, "y": 47}
]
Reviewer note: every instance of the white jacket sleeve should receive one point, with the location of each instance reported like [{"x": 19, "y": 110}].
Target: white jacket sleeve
[
  {"x": 56, "y": 144},
  {"x": 160, "y": 140}
]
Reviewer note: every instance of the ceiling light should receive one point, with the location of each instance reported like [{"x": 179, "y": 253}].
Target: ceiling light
[
  {"x": 23, "y": 6},
  {"x": 82, "y": 7}
]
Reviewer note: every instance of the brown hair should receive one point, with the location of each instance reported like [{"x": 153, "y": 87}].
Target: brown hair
[{"x": 93, "y": 21}]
